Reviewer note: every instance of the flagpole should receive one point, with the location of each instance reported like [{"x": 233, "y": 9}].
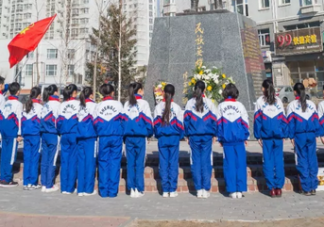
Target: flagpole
[{"x": 21, "y": 69}]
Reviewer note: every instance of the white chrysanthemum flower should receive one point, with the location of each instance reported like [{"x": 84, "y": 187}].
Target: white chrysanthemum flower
[
  {"x": 220, "y": 91},
  {"x": 203, "y": 67},
  {"x": 216, "y": 80},
  {"x": 160, "y": 86}
]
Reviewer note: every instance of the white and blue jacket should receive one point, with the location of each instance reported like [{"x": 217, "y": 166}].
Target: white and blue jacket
[
  {"x": 2, "y": 96},
  {"x": 30, "y": 122},
  {"x": 175, "y": 128},
  {"x": 200, "y": 124},
  {"x": 49, "y": 115},
  {"x": 67, "y": 121},
  {"x": 233, "y": 122},
  {"x": 137, "y": 119},
  {"x": 270, "y": 121},
  {"x": 109, "y": 118},
  {"x": 321, "y": 117},
  {"x": 10, "y": 117},
  {"x": 86, "y": 117},
  {"x": 302, "y": 122}
]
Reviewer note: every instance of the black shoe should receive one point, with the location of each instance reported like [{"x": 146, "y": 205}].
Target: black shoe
[
  {"x": 5, "y": 184},
  {"x": 313, "y": 192},
  {"x": 305, "y": 193}
]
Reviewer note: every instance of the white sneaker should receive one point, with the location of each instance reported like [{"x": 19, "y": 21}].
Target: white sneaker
[
  {"x": 90, "y": 194},
  {"x": 43, "y": 189},
  {"x": 206, "y": 194},
  {"x": 81, "y": 194},
  {"x": 133, "y": 194},
  {"x": 26, "y": 188},
  {"x": 53, "y": 189},
  {"x": 36, "y": 187},
  {"x": 173, "y": 194},
  {"x": 200, "y": 194},
  {"x": 239, "y": 195},
  {"x": 165, "y": 195},
  {"x": 139, "y": 194},
  {"x": 233, "y": 195}
]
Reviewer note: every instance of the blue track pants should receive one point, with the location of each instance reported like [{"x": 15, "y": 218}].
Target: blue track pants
[
  {"x": 8, "y": 157},
  {"x": 31, "y": 159}
]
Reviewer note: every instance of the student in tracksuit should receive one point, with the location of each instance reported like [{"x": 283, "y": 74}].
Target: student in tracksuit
[
  {"x": 137, "y": 126},
  {"x": 304, "y": 127},
  {"x": 169, "y": 130},
  {"x": 10, "y": 124},
  {"x": 233, "y": 132},
  {"x": 50, "y": 138},
  {"x": 110, "y": 131},
  {"x": 67, "y": 127},
  {"x": 30, "y": 128},
  {"x": 87, "y": 137},
  {"x": 201, "y": 128},
  {"x": 3, "y": 90},
  {"x": 270, "y": 129}
]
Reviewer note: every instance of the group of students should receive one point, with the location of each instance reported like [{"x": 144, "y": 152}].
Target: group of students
[{"x": 90, "y": 133}]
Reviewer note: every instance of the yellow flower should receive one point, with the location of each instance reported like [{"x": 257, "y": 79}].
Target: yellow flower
[
  {"x": 209, "y": 88},
  {"x": 163, "y": 84},
  {"x": 224, "y": 86},
  {"x": 224, "y": 76},
  {"x": 193, "y": 81},
  {"x": 189, "y": 83},
  {"x": 201, "y": 72}
]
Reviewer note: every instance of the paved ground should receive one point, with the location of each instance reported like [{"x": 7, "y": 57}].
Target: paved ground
[{"x": 123, "y": 209}]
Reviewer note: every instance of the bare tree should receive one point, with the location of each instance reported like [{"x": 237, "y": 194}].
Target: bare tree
[{"x": 218, "y": 4}]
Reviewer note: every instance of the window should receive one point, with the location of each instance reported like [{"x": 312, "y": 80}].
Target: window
[
  {"x": 51, "y": 53},
  {"x": 241, "y": 6},
  {"x": 264, "y": 4},
  {"x": 283, "y": 2},
  {"x": 71, "y": 53},
  {"x": 29, "y": 70},
  {"x": 309, "y": 2},
  {"x": 51, "y": 70},
  {"x": 264, "y": 37},
  {"x": 30, "y": 55},
  {"x": 71, "y": 70}
]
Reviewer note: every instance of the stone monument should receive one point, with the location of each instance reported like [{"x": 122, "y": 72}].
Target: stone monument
[{"x": 216, "y": 38}]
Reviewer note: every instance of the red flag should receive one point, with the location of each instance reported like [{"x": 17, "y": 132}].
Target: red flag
[{"x": 28, "y": 39}]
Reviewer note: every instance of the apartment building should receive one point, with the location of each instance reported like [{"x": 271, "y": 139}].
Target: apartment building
[{"x": 65, "y": 49}]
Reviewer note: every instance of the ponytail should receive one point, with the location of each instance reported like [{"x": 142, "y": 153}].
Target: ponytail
[
  {"x": 299, "y": 88},
  {"x": 68, "y": 91},
  {"x": 106, "y": 90},
  {"x": 199, "y": 91},
  {"x": 132, "y": 90},
  {"x": 169, "y": 91},
  {"x": 85, "y": 94},
  {"x": 34, "y": 93},
  {"x": 269, "y": 92},
  {"x": 50, "y": 90}
]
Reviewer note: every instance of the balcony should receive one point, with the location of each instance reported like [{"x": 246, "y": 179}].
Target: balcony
[{"x": 310, "y": 9}]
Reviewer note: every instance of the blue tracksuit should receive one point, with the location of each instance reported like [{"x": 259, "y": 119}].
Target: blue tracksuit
[
  {"x": 67, "y": 127},
  {"x": 2, "y": 103},
  {"x": 87, "y": 151},
  {"x": 30, "y": 128},
  {"x": 200, "y": 128},
  {"x": 271, "y": 126},
  {"x": 10, "y": 126},
  {"x": 233, "y": 130},
  {"x": 49, "y": 114},
  {"x": 137, "y": 125},
  {"x": 169, "y": 137},
  {"x": 304, "y": 127},
  {"x": 109, "y": 128}
]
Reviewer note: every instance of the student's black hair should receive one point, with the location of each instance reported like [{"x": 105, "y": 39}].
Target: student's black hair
[
  {"x": 50, "y": 90},
  {"x": 299, "y": 88},
  {"x": 2, "y": 80},
  {"x": 68, "y": 91},
  {"x": 14, "y": 88},
  {"x": 169, "y": 91},
  {"x": 231, "y": 91},
  {"x": 85, "y": 94},
  {"x": 106, "y": 89},
  {"x": 199, "y": 91},
  {"x": 132, "y": 90},
  {"x": 269, "y": 91},
  {"x": 34, "y": 93}
]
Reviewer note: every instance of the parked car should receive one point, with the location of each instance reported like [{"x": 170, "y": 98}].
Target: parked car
[{"x": 286, "y": 94}]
